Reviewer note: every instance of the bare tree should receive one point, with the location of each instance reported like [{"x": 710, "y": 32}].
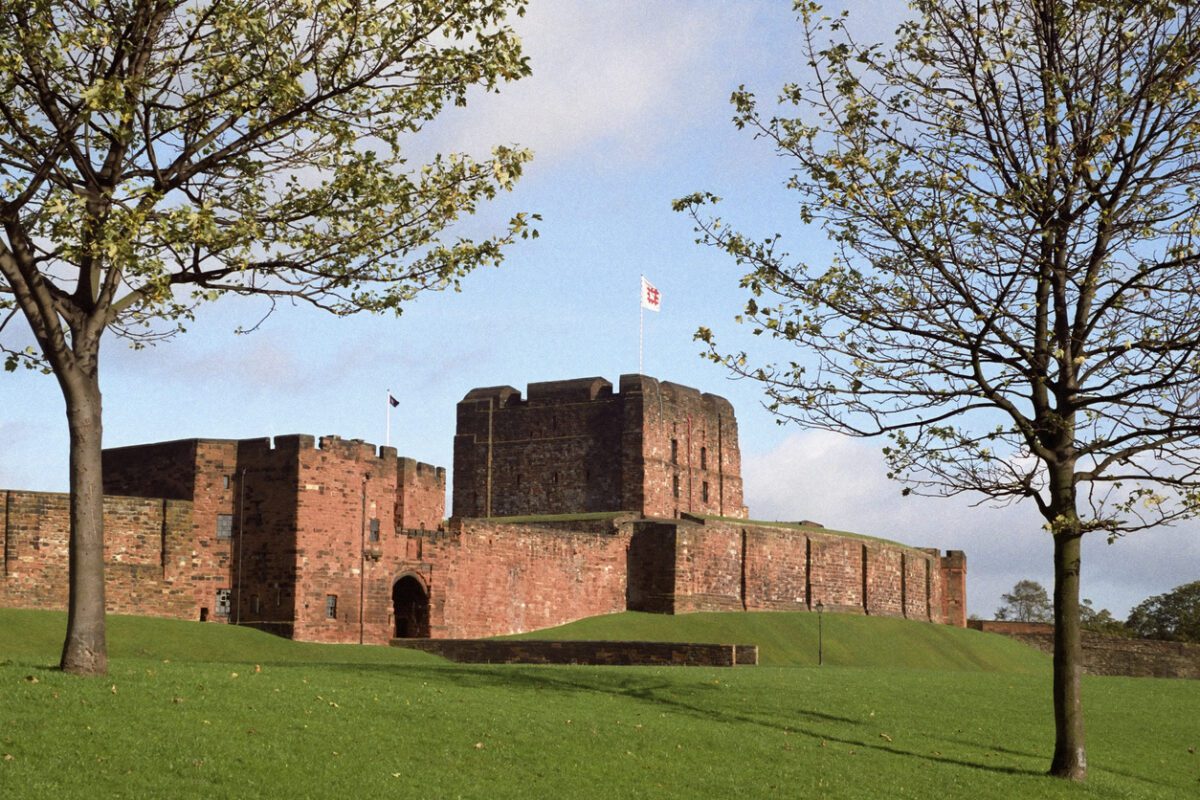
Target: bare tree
[
  {"x": 155, "y": 154},
  {"x": 1011, "y": 190}
]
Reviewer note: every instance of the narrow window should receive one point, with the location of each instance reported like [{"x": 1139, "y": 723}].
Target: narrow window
[
  {"x": 675, "y": 486},
  {"x": 674, "y": 451},
  {"x": 703, "y": 458},
  {"x": 224, "y": 526},
  {"x": 225, "y": 481},
  {"x": 704, "y": 491},
  {"x": 331, "y": 606},
  {"x": 254, "y": 605},
  {"x": 224, "y": 601},
  {"x": 374, "y": 535}
]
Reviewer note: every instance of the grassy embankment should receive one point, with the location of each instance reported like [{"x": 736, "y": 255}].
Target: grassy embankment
[{"x": 899, "y": 710}]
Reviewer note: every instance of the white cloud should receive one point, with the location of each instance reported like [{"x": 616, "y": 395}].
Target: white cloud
[
  {"x": 621, "y": 73},
  {"x": 842, "y": 483}
]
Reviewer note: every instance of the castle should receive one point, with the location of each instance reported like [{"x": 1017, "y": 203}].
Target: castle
[{"x": 573, "y": 501}]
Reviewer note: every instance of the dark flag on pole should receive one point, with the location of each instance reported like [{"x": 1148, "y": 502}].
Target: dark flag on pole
[{"x": 392, "y": 401}]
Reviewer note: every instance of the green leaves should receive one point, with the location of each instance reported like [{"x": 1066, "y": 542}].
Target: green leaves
[
  {"x": 167, "y": 153},
  {"x": 1013, "y": 213}
]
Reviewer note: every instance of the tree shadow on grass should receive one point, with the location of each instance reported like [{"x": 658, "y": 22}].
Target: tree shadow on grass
[{"x": 641, "y": 684}]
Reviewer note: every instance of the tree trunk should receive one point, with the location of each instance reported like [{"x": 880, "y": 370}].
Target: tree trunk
[
  {"x": 1070, "y": 754},
  {"x": 85, "y": 651}
]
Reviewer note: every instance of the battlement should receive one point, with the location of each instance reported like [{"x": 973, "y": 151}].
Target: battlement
[
  {"x": 576, "y": 446},
  {"x": 574, "y": 500},
  {"x": 421, "y": 471},
  {"x": 656, "y": 390},
  {"x": 501, "y": 395},
  {"x": 576, "y": 390}
]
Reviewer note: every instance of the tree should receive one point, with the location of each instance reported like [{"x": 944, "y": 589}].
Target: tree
[
  {"x": 1101, "y": 622},
  {"x": 1028, "y": 602},
  {"x": 1011, "y": 193},
  {"x": 1174, "y": 616},
  {"x": 156, "y": 154}
]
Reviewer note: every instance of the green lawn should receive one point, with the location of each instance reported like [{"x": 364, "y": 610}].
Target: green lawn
[
  {"x": 790, "y": 639},
  {"x": 185, "y": 713}
]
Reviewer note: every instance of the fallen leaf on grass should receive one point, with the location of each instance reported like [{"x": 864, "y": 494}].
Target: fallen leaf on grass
[
  {"x": 31, "y": 678},
  {"x": 114, "y": 688},
  {"x": 479, "y": 745},
  {"x": 9, "y": 757},
  {"x": 885, "y": 737}
]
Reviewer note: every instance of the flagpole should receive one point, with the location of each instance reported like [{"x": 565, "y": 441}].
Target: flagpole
[
  {"x": 641, "y": 324},
  {"x": 387, "y": 404}
]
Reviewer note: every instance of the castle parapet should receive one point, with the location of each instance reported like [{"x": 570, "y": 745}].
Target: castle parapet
[{"x": 576, "y": 390}]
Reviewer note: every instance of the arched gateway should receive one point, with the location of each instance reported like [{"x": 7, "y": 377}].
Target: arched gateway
[{"x": 410, "y": 605}]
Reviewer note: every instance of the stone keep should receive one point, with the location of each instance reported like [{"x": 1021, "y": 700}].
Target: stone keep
[{"x": 576, "y": 446}]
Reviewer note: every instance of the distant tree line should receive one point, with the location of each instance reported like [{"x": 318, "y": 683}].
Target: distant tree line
[{"x": 1173, "y": 616}]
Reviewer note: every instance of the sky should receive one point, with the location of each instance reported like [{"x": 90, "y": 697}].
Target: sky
[{"x": 627, "y": 109}]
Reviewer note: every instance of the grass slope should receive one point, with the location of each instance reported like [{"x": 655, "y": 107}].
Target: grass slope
[
  {"x": 186, "y": 714},
  {"x": 790, "y": 639}
]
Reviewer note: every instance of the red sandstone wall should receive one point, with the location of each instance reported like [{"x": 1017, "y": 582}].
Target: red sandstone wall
[
  {"x": 343, "y": 486},
  {"x": 721, "y": 566},
  {"x": 885, "y": 580},
  {"x": 836, "y": 572},
  {"x": 776, "y": 569},
  {"x": 297, "y": 526},
  {"x": 421, "y": 498},
  {"x": 689, "y": 446},
  {"x": 574, "y": 446},
  {"x": 264, "y": 571},
  {"x": 203, "y": 471},
  {"x": 708, "y": 569},
  {"x": 489, "y": 579},
  {"x": 916, "y": 586},
  {"x": 142, "y": 536},
  {"x": 553, "y": 452},
  {"x": 950, "y": 589},
  {"x": 650, "y": 567},
  {"x": 164, "y": 469}
]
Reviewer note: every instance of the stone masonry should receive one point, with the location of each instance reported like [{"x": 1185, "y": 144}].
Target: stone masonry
[
  {"x": 336, "y": 540},
  {"x": 576, "y": 446}
]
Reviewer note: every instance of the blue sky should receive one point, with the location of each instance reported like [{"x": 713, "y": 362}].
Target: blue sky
[{"x": 627, "y": 109}]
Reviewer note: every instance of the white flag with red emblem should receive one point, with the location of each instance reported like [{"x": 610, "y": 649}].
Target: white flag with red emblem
[{"x": 651, "y": 297}]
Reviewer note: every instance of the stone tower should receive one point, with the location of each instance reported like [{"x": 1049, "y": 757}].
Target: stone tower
[{"x": 577, "y": 446}]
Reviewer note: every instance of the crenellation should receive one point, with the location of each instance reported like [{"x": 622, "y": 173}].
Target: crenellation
[{"x": 338, "y": 540}]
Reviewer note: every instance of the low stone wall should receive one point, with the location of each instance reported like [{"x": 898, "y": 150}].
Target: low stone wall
[
  {"x": 1109, "y": 655},
  {"x": 1133, "y": 658},
  {"x": 514, "y": 651},
  {"x": 1010, "y": 628}
]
